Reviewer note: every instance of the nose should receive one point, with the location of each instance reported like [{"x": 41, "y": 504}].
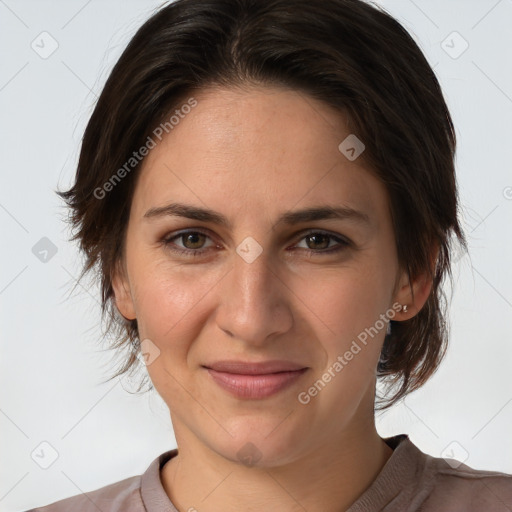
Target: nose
[{"x": 254, "y": 301}]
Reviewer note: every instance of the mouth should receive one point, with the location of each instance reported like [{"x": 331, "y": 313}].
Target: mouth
[{"x": 247, "y": 380}]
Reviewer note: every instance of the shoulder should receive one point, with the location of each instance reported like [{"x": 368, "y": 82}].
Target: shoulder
[
  {"x": 122, "y": 496},
  {"x": 134, "y": 494},
  {"x": 447, "y": 484}
]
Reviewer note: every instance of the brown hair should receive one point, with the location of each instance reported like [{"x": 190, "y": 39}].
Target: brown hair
[{"x": 354, "y": 57}]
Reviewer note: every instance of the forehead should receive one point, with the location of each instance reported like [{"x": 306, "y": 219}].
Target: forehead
[{"x": 258, "y": 148}]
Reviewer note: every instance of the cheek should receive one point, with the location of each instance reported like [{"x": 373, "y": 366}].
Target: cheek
[
  {"x": 170, "y": 305},
  {"x": 168, "y": 300},
  {"x": 349, "y": 300},
  {"x": 347, "y": 307}
]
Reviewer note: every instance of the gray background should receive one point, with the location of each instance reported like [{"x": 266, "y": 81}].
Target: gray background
[{"x": 52, "y": 362}]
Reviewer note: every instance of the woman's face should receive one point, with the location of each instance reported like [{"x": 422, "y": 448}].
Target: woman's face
[{"x": 266, "y": 283}]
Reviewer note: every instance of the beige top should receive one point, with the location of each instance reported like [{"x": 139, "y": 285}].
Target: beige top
[{"x": 409, "y": 481}]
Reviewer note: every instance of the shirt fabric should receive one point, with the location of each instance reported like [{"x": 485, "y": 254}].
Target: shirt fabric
[{"x": 410, "y": 481}]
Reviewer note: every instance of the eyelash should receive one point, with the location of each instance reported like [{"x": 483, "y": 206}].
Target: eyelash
[{"x": 167, "y": 241}]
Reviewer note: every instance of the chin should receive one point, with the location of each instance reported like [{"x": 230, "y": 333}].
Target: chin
[{"x": 262, "y": 443}]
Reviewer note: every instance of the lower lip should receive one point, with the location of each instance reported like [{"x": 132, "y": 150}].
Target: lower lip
[{"x": 255, "y": 386}]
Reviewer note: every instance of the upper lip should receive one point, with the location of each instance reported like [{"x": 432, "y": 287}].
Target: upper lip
[{"x": 248, "y": 368}]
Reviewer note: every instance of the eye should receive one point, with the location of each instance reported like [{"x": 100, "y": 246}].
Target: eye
[
  {"x": 318, "y": 242},
  {"x": 193, "y": 243}
]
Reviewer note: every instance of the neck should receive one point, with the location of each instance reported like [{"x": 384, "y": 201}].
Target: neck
[{"x": 328, "y": 479}]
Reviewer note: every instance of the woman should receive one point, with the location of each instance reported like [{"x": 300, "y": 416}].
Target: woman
[{"x": 267, "y": 191}]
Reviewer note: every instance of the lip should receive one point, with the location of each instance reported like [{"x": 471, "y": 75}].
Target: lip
[
  {"x": 255, "y": 380},
  {"x": 249, "y": 368}
]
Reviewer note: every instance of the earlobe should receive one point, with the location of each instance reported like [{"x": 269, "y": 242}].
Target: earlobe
[
  {"x": 412, "y": 297},
  {"x": 414, "y": 294},
  {"x": 122, "y": 293},
  {"x": 422, "y": 287}
]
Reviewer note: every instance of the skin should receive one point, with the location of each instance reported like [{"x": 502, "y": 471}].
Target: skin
[{"x": 250, "y": 154}]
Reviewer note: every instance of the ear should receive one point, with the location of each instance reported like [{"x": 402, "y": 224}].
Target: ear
[
  {"x": 122, "y": 292},
  {"x": 421, "y": 287}
]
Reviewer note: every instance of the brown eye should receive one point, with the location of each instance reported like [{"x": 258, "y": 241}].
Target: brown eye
[
  {"x": 191, "y": 243},
  {"x": 192, "y": 240},
  {"x": 318, "y": 242}
]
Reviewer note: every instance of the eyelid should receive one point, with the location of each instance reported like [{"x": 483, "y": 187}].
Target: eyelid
[
  {"x": 335, "y": 236},
  {"x": 177, "y": 234},
  {"x": 342, "y": 242}
]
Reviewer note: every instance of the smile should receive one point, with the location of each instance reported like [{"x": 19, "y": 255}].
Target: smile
[{"x": 254, "y": 381}]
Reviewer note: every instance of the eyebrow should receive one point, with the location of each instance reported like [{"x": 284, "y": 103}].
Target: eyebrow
[{"x": 288, "y": 218}]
